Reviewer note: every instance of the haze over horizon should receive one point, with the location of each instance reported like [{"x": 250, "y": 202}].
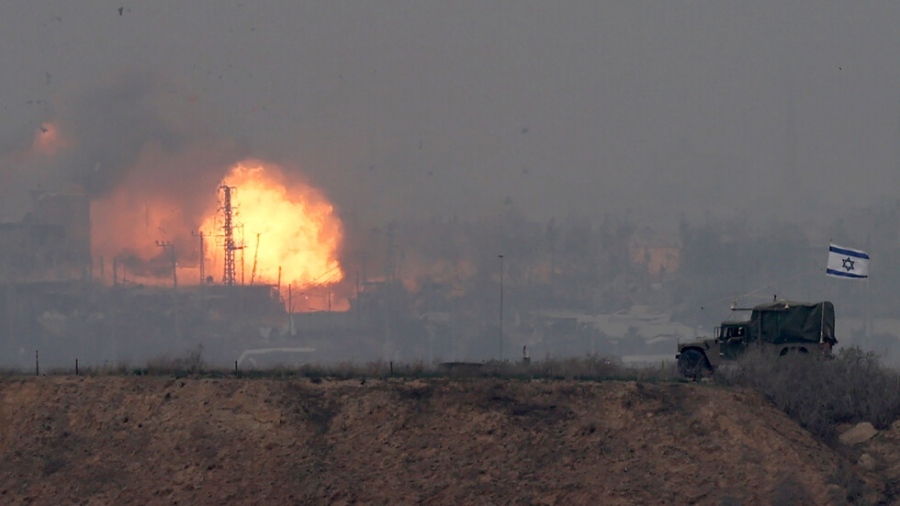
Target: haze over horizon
[{"x": 402, "y": 110}]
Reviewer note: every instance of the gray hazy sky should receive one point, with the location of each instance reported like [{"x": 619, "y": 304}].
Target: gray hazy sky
[{"x": 406, "y": 108}]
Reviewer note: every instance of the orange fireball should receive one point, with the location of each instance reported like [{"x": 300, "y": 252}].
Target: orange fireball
[{"x": 286, "y": 233}]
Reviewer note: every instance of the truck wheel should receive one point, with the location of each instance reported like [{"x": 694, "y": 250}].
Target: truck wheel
[{"x": 693, "y": 364}]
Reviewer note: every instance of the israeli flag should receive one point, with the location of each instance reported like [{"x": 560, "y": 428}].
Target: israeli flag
[{"x": 847, "y": 263}]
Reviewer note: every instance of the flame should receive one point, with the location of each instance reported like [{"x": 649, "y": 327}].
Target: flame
[
  {"x": 287, "y": 234},
  {"x": 147, "y": 219},
  {"x": 145, "y": 209}
]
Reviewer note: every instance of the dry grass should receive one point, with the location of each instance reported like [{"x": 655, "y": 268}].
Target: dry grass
[
  {"x": 592, "y": 367},
  {"x": 821, "y": 393}
]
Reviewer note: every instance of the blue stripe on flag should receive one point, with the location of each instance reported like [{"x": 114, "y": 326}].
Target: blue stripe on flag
[
  {"x": 849, "y": 252},
  {"x": 842, "y": 274}
]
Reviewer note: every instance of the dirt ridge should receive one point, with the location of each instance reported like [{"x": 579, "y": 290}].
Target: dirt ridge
[{"x": 155, "y": 440}]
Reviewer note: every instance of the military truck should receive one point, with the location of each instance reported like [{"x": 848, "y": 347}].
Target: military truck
[{"x": 779, "y": 327}]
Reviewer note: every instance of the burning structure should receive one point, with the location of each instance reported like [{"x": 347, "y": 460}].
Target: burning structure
[
  {"x": 129, "y": 251},
  {"x": 148, "y": 237},
  {"x": 62, "y": 295}
]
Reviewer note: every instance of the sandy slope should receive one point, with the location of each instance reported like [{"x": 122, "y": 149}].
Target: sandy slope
[{"x": 152, "y": 440}]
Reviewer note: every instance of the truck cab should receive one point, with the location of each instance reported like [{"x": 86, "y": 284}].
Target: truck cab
[{"x": 733, "y": 338}]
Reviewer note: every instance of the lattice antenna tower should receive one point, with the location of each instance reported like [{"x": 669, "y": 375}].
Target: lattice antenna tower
[{"x": 228, "y": 228}]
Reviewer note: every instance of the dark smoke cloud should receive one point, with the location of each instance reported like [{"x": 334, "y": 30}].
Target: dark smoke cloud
[
  {"x": 135, "y": 129},
  {"x": 115, "y": 123}
]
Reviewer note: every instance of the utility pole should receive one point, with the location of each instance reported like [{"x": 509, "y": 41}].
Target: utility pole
[
  {"x": 228, "y": 229},
  {"x": 255, "y": 257},
  {"x": 501, "y": 306},
  {"x": 171, "y": 247},
  {"x": 202, "y": 256}
]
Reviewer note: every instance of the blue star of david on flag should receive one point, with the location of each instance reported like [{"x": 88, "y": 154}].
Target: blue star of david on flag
[{"x": 847, "y": 263}]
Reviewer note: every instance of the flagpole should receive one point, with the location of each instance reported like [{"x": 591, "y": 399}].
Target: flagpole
[
  {"x": 851, "y": 263},
  {"x": 826, "y": 295},
  {"x": 868, "y": 310},
  {"x": 822, "y": 325},
  {"x": 868, "y": 293}
]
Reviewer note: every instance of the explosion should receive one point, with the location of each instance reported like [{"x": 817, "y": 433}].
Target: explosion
[
  {"x": 285, "y": 234},
  {"x": 149, "y": 172}
]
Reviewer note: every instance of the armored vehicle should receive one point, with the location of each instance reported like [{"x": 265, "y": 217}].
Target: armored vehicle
[{"x": 779, "y": 327}]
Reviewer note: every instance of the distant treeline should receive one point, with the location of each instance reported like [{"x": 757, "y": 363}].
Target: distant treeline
[{"x": 611, "y": 264}]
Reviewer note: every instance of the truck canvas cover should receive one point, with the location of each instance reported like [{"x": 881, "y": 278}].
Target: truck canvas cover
[{"x": 787, "y": 321}]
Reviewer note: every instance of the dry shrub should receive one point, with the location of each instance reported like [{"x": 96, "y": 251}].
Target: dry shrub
[
  {"x": 590, "y": 367},
  {"x": 190, "y": 363},
  {"x": 122, "y": 368},
  {"x": 593, "y": 367},
  {"x": 821, "y": 393},
  {"x": 380, "y": 369}
]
